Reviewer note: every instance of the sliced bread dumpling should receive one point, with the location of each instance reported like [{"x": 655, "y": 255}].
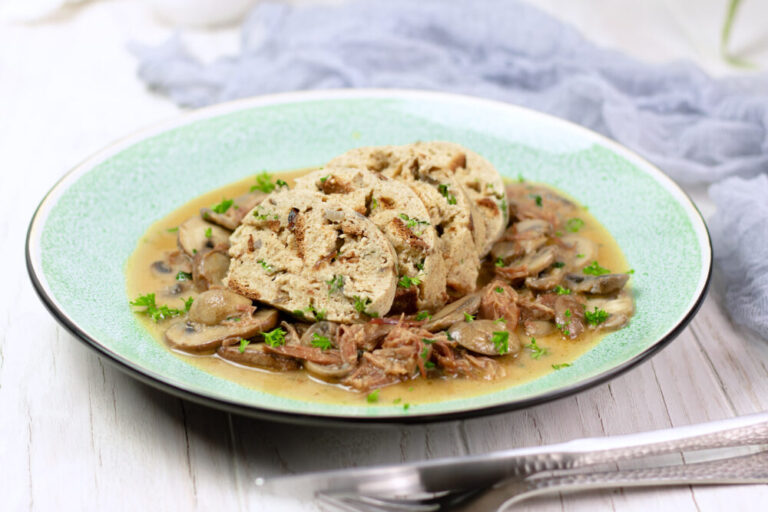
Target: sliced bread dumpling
[
  {"x": 451, "y": 212},
  {"x": 318, "y": 259},
  {"x": 399, "y": 213},
  {"x": 479, "y": 178}
]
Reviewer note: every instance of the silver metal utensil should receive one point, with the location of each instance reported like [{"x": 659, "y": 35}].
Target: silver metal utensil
[{"x": 494, "y": 480}]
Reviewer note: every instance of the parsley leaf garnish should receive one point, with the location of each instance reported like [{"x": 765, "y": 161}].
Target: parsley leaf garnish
[
  {"x": 152, "y": 310},
  {"x": 223, "y": 206},
  {"x": 561, "y": 365},
  {"x": 373, "y": 396},
  {"x": 468, "y": 318},
  {"x": 443, "y": 189},
  {"x": 173, "y": 230},
  {"x": 423, "y": 315},
  {"x": 264, "y": 183},
  {"x": 594, "y": 269},
  {"x": 499, "y": 289},
  {"x": 266, "y": 266},
  {"x": 630, "y": 271},
  {"x": 322, "y": 180},
  {"x": 596, "y": 317},
  {"x": 425, "y": 353},
  {"x": 275, "y": 337},
  {"x": 406, "y": 282},
  {"x": 374, "y": 203},
  {"x": 411, "y": 222},
  {"x": 558, "y": 264},
  {"x": 427, "y": 341},
  {"x": 335, "y": 284},
  {"x": 361, "y": 304},
  {"x": 536, "y": 350},
  {"x": 562, "y": 291},
  {"x": 183, "y": 276},
  {"x": 244, "y": 343},
  {"x": 500, "y": 340},
  {"x": 574, "y": 225},
  {"x": 188, "y": 304},
  {"x": 538, "y": 200},
  {"x": 209, "y": 233},
  {"x": 499, "y": 262},
  {"x": 281, "y": 183},
  {"x": 321, "y": 342}
]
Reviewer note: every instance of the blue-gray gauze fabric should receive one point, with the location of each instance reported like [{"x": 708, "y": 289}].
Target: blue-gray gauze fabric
[{"x": 697, "y": 129}]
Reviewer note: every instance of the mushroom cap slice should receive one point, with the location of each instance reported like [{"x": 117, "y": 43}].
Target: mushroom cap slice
[
  {"x": 580, "y": 251},
  {"x": 255, "y": 355},
  {"x": 329, "y": 372},
  {"x": 454, "y": 312},
  {"x": 193, "y": 239},
  {"x": 596, "y": 285},
  {"x": 209, "y": 268},
  {"x": 214, "y": 306},
  {"x": 477, "y": 336},
  {"x": 199, "y": 338},
  {"x": 231, "y": 218}
]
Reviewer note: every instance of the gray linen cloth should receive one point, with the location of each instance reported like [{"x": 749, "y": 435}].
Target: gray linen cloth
[{"x": 695, "y": 128}]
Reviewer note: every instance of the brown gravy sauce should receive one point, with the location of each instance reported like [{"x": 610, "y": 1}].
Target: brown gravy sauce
[{"x": 298, "y": 384}]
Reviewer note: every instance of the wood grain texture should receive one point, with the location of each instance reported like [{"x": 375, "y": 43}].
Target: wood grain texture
[{"x": 77, "y": 434}]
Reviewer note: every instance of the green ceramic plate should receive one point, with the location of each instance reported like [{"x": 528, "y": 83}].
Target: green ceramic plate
[{"x": 87, "y": 226}]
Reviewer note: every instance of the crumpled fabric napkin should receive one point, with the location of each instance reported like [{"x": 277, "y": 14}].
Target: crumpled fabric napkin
[{"x": 695, "y": 128}]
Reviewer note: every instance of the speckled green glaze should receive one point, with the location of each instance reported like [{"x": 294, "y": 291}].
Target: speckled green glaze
[{"x": 90, "y": 224}]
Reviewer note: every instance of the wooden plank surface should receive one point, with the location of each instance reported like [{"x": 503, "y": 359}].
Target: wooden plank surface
[{"x": 77, "y": 434}]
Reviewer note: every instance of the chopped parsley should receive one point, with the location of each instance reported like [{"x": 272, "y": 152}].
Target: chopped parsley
[
  {"x": 264, "y": 183},
  {"x": 630, "y": 271},
  {"x": 244, "y": 343},
  {"x": 173, "y": 230},
  {"x": 320, "y": 315},
  {"x": 281, "y": 183},
  {"x": 594, "y": 269},
  {"x": 335, "y": 284},
  {"x": 423, "y": 315},
  {"x": 538, "y": 200},
  {"x": 155, "y": 312},
  {"x": 448, "y": 335},
  {"x": 420, "y": 265},
  {"x": 406, "y": 407},
  {"x": 561, "y": 366},
  {"x": 443, "y": 189},
  {"x": 264, "y": 216},
  {"x": 558, "y": 264},
  {"x": 397, "y": 400},
  {"x": 579, "y": 255},
  {"x": 536, "y": 350},
  {"x": 562, "y": 291},
  {"x": 559, "y": 233},
  {"x": 499, "y": 289},
  {"x": 574, "y": 225},
  {"x": 567, "y": 313},
  {"x": 373, "y": 396},
  {"x": 209, "y": 233},
  {"x": 298, "y": 313},
  {"x": 406, "y": 282},
  {"x": 321, "y": 342},
  {"x": 183, "y": 276},
  {"x": 468, "y": 318},
  {"x": 275, "y": 337},
  {"x": 412, "y": 223},
  {"x": 322, "y": 180},
  {"x": 427, "y": 341},
  {"x": 429, "y": 365},
  {"x": 188, "y": 304},
  {"x": 500, "y": 340},
  {"x": 564, "y": 328},
  {"x": 374, "y": 203},
  {"x": 501, "y": 320},
  {"x": 233, "y": 318},
  {"x": 499, "y": 262},
  {"x": 520, "y": 178},
  {"x": 266, "y": 266},
  {"x": 361, "y": 304},
  {"x": 425, "y": 353},
  {"x": 223, "y": 206},
  {"x": 596, "y": 317}
]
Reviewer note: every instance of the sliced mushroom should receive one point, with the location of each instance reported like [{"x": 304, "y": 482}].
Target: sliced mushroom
[
  {"x": 506, "y": 252},
  {"x": 324, "y": 329},
  {"x": 531, "y": 265},
  {"x": 596, "y": 285},
  {"x": 209, "y": 268},
  {"x": 538, "y": 327},
  {"x": 232, "y": 218},
  {"x": 328, "y": 372},
  {"x": 255, "y": 355},
  {"x": 477, "y": 336},
  {"x": 200, "y": 338},
  {"x": 454, "y": 312},
  {"x": 193, "y": 236},
  {"x": 581, "y": 251},
  {"x": 532, "y": 234},
  {"x": 214, "y": 306},
  {"x": 619, "y": 309},
  {"x": 547, "y": 281}
]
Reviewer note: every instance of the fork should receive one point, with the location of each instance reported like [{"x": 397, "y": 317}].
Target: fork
[{"x": 733, "y": 451}]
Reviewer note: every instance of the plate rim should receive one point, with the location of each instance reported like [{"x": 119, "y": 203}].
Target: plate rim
[{"x": 33, "y": 239}]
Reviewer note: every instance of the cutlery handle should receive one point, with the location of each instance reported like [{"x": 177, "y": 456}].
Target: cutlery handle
[
  {"x": 749, "y": 469},
  {"x": 740, "y": 431}
]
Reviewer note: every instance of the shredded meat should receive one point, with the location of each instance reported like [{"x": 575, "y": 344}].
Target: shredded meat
[
  {"x": 314, "y": 354},
  {"x": 500, "y": 301}
]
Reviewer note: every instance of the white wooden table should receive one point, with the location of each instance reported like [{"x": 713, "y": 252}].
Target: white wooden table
[{"x": 77, "y": 434}]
